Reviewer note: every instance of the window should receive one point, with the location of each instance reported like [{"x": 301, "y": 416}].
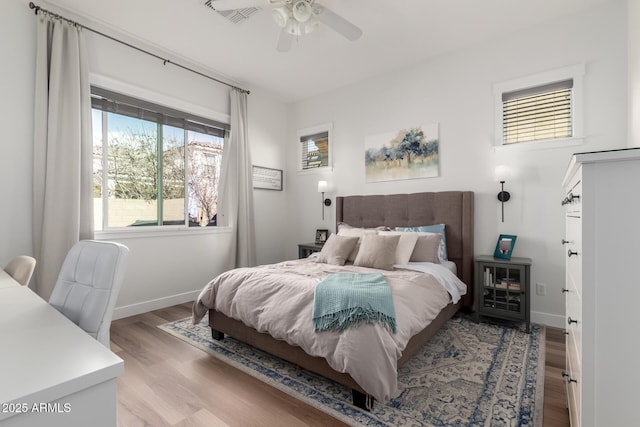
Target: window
[
  {"x": 314, "y": 148},
  {"x": 542, "y": 112},
  {"x": 544, "y": 107},
  {"x": 153, "y": 166}
]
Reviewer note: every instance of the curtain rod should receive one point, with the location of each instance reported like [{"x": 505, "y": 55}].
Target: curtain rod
[{"x": 165, "y": 61}]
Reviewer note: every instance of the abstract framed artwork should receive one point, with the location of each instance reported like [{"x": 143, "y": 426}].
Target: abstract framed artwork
[{"x": 404, "y": 154}]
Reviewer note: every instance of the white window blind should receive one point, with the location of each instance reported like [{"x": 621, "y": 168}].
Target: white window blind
[
  {"x": 538, "y": 113},
  {"x": 315, "y": 151}
]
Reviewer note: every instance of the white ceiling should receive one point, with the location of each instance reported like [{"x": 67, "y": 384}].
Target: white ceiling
[{"x": 397, "y": 33}]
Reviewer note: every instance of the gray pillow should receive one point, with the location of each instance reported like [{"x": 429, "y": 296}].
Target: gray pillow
[
  {"x": 336, "y": 250},
  {"x": 427, "y": 248},
  {"x": 377, "y": 251}
]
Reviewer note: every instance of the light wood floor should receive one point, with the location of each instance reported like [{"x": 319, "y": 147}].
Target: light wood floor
[{"x": 170, "y": 383}]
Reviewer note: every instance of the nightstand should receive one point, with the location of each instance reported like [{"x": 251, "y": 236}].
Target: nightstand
[
  {"x": 502, "y": 288},
  {"x": 306, "y": 249}
]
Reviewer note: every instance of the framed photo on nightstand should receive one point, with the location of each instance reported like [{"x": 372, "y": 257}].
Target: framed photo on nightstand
[
  {"x": 504, "y": 246},
  {"x": 321, "y": 236}
]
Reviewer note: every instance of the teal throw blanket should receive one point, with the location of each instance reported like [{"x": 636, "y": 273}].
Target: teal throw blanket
[{"x": 344, "y": 300}]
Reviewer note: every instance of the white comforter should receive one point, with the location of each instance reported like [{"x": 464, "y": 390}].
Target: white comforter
[{"x": 278, "y": 299}]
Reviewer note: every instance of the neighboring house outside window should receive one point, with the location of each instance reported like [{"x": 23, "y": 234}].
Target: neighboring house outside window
[
  {"x": 542, "y": 108},
  {"x": 314, "y": 148},
  {"x": 153, "y": 166}
]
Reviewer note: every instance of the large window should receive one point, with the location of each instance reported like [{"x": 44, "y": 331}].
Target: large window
[
  {"x": 153, "y": 166},
  {"x": 540, "y": 108}
]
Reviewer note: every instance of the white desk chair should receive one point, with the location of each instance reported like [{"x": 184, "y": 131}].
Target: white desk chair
[
  {"x": 88, "y": 285},
  {"x": 21, "y": 269}
]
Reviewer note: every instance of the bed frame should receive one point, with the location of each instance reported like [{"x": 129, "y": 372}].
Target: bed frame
[{"x": 453, "y": 208}]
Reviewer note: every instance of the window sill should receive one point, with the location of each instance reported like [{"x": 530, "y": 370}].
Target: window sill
[
  {"x": 167, "y": 231},
  {"x": 314, "y": 171},
  {"x": 541, "y": 145}
]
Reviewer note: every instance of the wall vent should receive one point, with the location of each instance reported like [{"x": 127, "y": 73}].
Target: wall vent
[{"x": 235, "y": 16}]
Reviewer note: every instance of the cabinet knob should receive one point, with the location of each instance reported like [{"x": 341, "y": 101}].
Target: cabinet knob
[
  {"x": 572, "y": 197},
  {"x": 566, "y": 332},
  {"x": 570, "y": 253},
  {"x": 568, "y": 378},
  {"x": 570, "y": 320},
  {"x": 564, "y": 290},
  {"x": 564, "y": 242}
]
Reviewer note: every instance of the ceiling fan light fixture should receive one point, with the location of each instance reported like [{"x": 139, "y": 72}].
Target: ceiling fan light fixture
[
  {"x": 311, "y": 25},
  {"x": 281, "y": 16},
  {"x": 302, "y": 11},
  {"x": 293, "y": 27}
]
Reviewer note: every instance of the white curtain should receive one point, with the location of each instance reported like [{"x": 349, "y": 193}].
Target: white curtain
[
  {"x": 62, "y": 160},
  {"x": 235, "y": 207}
]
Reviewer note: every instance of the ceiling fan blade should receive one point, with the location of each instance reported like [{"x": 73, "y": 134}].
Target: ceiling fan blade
[
  {"x": 284, "y": 41},
  {"x": 338, "y": 23},
  {"x": 237, "y": 4}
]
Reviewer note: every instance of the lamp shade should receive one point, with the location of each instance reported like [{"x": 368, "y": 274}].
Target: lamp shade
[
  {"x": 502, "y": 173},
  {"x": 323, "y": 186},
  {"x": 302, "y": 11},
  {"x": 281, "y": 16}
]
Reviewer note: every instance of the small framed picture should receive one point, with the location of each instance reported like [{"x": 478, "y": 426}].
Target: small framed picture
[
  {"x": 504, "y": 246},
  {"x": 321, "y": 236}
]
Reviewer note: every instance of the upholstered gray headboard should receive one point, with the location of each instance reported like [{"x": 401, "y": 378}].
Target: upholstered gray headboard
[{"x": 453, "y": 208}]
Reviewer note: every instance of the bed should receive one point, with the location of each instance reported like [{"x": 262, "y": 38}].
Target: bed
[{"x": 452, "y": 208}]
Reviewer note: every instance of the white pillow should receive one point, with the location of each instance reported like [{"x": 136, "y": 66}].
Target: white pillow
[{"x": 405, "y": 246}]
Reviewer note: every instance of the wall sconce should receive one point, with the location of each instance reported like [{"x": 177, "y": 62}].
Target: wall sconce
[
  {"x": 502, "y": 174},
  {"x": 323, "y": 186}
]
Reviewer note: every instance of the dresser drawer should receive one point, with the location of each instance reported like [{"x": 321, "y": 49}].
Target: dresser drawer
[
  {"x": 573, "y": 197},
  {"x": 574, "y": 329},
  {"x": 573, "y": 254},
  {"x": 574, "y": 387}
]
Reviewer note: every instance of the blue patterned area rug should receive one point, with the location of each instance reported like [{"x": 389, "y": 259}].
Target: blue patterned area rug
[{"x": 469, "y": 374}]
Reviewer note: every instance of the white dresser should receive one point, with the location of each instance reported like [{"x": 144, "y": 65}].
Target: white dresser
[{"x": 602, "y": 289}]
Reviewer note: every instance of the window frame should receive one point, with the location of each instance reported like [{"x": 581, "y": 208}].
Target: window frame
[
  {"x": 325, "y": 127},
  {"x": 573, "y": 72},
  {"x": 117, "y": 86}
]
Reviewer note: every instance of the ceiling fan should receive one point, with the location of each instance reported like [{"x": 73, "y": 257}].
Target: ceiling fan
[{"x": 295, "y": 17}]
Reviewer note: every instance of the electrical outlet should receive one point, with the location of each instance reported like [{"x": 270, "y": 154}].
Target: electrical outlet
[{"x": 541, "y": 289}]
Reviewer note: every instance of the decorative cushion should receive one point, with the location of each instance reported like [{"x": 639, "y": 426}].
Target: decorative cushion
[
  {"x": 377, "y": 252},
  {"x": 435, "y": 228},
  {"x": 405, "y": 246},
  {"x": 427, "y": 248},
  {"x": 336, "y": 250},
  {"x": 355, "y": 232}
]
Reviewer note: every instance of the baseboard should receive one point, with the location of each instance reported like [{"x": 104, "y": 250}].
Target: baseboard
[
  {"x": 547, "y": 319},
  {"x": 155, "y": 304}
]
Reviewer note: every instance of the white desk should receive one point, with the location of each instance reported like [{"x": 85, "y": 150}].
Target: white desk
[
  {"x": 52, "y": 373},
  {"x": 7, "y": 281}
]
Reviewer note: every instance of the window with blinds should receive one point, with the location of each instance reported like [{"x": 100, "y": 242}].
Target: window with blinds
[
  {"x": 314, "y": 148},
  {"x": 538, "y": 113},
  {"x": 153, "y": 165}
]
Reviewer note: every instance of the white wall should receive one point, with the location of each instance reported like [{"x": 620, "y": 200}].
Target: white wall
[
  {"x": 162, "y": 270},
  {"x": 17, "y": 38},
  {"x": 455, "y": 91},
  {"x": 633, "y": 49}
]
